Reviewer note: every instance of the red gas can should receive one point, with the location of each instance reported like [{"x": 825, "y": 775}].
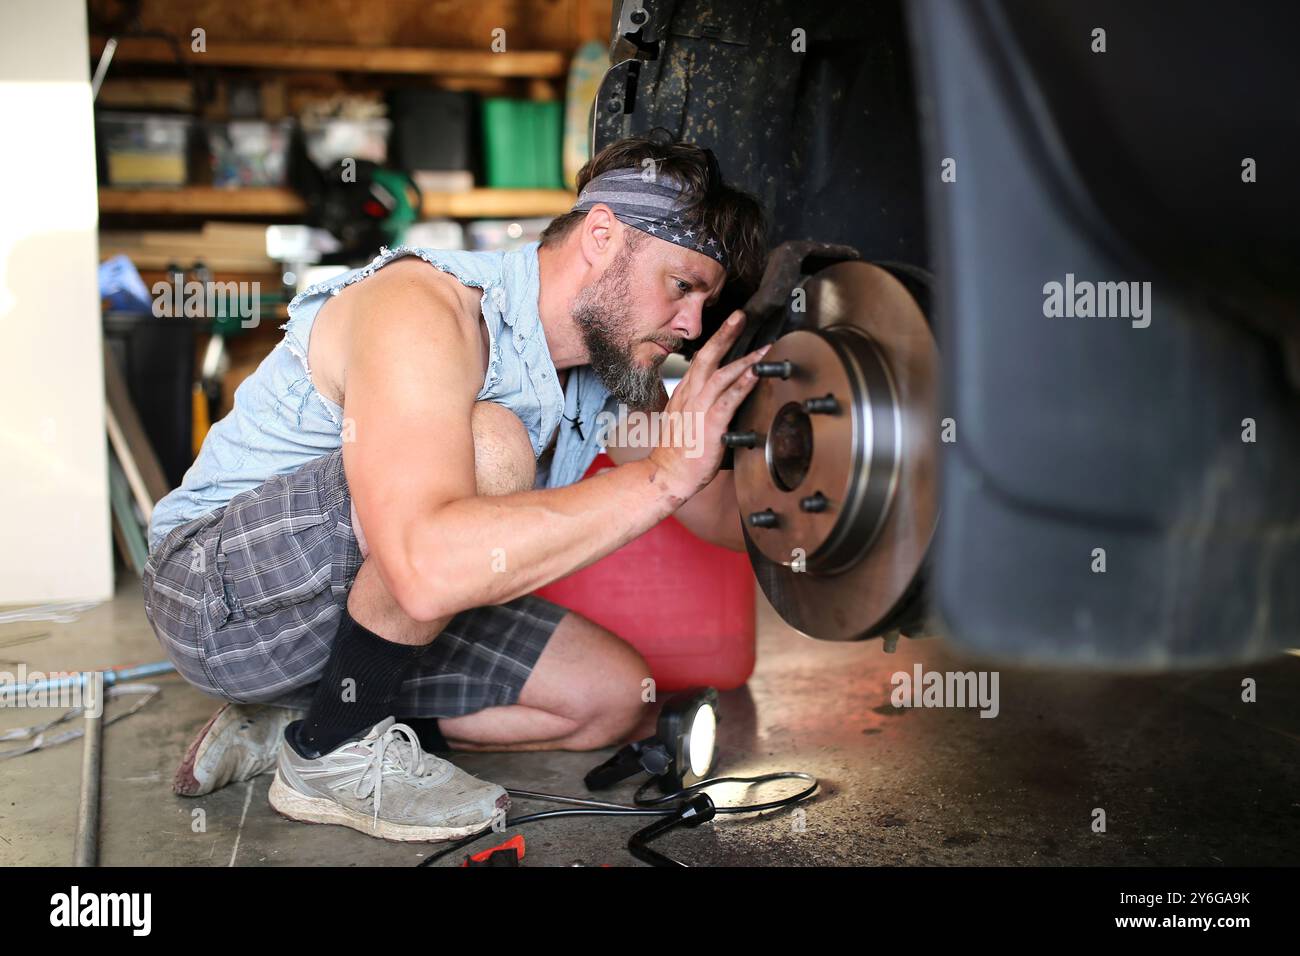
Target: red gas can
[{"x": 685, "y": 604}]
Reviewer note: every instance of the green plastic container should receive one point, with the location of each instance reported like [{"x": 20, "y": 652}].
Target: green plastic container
[{"x": 522, "y": 143}]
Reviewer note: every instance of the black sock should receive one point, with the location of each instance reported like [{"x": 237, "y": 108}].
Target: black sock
[
  {"x": 362, "y": 678},
  {"x": 426, "y": 728}
]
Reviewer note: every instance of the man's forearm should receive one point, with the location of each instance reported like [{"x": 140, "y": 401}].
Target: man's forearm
[
  {"x": 492, "y": 549},
  {"x": 714, "y": 514}
]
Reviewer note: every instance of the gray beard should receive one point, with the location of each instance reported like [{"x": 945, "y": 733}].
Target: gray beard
[{"x": 602, "y": 315}]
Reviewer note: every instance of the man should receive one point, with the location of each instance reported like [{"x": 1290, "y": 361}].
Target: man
[{"x": 363, "y": 532}]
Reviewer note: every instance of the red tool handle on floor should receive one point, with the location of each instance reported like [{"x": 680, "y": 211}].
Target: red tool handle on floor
[{"x": 510, "y": 853}]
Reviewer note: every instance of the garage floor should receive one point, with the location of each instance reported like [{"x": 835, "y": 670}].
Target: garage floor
[{"x": 1186, "y": 772}]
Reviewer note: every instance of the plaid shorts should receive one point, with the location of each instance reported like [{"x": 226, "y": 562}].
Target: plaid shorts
[{"x": 246, "y": 601}]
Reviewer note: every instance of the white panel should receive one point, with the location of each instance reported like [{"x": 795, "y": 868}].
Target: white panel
[{"x": 55, "y": 537}]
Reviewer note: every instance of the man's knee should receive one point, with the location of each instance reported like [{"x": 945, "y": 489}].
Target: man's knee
[
  {"x": 616, "y": 703},
  {"x": 503, "y": 458},
  {"x": 503, "y": 453}
]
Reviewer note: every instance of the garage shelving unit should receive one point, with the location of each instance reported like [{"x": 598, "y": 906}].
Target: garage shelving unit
[{"x": 544, "y": 71}]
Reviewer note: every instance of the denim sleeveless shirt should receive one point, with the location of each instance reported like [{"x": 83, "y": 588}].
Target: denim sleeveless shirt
[{"x": 280, "y": 421}]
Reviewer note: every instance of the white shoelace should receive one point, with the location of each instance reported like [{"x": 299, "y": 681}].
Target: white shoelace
[{"x": 377, "y": 764}]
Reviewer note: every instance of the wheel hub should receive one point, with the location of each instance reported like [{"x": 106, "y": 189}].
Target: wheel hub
[{"x": 835, "y": 474}]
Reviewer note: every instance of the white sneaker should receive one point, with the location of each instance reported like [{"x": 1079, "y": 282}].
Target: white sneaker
[
  {"x": 239, "y": 742},
  {"x": 385, "y": 785}
]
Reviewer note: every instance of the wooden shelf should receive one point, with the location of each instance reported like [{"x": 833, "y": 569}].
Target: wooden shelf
[
  {"x": 202, "y": 201},
  {"x": 261, "y": 201},
  {"x": 285, "y": 56},
  {"x": 498, "y": 203}
]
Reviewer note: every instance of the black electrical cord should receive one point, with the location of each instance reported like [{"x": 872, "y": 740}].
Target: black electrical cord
[
  {"x": 598, "y": 808},
  {"x": 639, "y": 799},
  {"x": 594, "y": 808},
  {"x": 694, "y": 812},
  {"x": 639, "y": 847}
]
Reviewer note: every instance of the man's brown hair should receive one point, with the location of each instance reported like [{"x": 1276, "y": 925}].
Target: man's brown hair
[{"x": 728, "y": 213}]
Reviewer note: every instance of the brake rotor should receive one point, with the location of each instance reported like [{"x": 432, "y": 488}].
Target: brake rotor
[{"x": 837, "y": 484}]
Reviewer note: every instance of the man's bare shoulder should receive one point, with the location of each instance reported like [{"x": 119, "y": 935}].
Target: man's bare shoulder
[
  {"x": 411, "y": 293},
  {"x": 413, "y": 281},
  {"x": 408, "y": 304}
]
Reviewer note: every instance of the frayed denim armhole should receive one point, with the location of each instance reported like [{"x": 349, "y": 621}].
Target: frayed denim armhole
[
  {"x": 494, "y": 318},
  {"x": 297, "y": 337},
  {"x": 296, "y": 341}
]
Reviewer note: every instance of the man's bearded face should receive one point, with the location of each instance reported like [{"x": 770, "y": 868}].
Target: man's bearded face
[{"x": 603, "y": 313}]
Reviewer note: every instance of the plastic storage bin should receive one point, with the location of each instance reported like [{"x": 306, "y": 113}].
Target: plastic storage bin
[
  {"x": 144, "y": 149},
  {"x": 431, "y": 130},
  {"x": 685, "y": 604},
  {"x": 521, "y": 143},
  {"x": 331, "y": 141},
  {"x": 249, "y": 152}
]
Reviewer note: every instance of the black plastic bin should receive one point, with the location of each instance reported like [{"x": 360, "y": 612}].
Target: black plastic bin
[{"x": 157, "y": 359}]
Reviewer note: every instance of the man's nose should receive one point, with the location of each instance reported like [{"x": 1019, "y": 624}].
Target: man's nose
[{"x": 689, "y": 321}]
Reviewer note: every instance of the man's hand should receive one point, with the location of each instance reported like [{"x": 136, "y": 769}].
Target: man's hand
[{"x": 710, "y": 395}]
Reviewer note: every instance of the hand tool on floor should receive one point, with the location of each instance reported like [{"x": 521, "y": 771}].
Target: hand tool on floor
[
  {"x": 86, "y": 850},
  {"x": 510, "y": 853},
  {"x": 86, "y": 847}
]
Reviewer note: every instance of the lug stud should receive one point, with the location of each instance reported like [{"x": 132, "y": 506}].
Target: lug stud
[
  {"x": 764, "y": 519},
  {"x": 815, "y": 502},
  {"x": 782, "y": 369},
  {"x": 740, "y": 439},
  {"x": 821, "y": 406}
]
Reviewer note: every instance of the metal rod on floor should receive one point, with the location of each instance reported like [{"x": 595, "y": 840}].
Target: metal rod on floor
[
  {"x": 114, "y": 675},
  {"x": 92, "y": 752}
]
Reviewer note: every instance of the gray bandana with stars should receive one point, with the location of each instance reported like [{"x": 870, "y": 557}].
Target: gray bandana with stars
[{"x": 654, "y": 207}]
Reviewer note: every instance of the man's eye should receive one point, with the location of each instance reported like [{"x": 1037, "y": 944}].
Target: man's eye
[{"x": 683, "y": 286}]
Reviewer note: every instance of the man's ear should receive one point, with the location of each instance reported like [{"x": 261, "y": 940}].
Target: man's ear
[{"x": 599, "y": 234}]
